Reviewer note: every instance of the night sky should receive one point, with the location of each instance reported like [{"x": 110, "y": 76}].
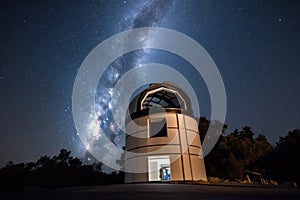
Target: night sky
[{"x": 255, "y": 44}]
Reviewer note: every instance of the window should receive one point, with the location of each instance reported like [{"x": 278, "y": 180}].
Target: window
[
  {"x": 163, "y": 97},
  {"x": 158, "y": 128}
]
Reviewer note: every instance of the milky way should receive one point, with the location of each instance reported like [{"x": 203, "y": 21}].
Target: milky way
[{"x": 146, "y": 14}]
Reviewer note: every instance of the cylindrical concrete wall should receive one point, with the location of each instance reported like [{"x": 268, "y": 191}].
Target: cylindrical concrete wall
[{"x": 181, "y": 145}]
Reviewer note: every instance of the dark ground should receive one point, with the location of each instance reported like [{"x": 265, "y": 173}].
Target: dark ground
[{"x": 157, "y": 191}]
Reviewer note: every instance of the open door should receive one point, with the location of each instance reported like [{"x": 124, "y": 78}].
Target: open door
[{"x": 159, "y": 168}]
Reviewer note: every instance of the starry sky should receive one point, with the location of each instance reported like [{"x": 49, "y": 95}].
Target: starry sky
[{"x": 255, "y": 45}]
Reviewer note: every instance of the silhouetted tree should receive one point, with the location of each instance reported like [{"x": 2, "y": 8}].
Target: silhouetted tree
[
  {"x": 214, "y": 125},
  {"x": 283, "y": 164},
  {"x": 237, "y": 152},
  {"x": 59, "y": 171}
]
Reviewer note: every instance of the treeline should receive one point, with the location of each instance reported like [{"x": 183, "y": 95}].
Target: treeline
[
  {"x": 241, "y": 154},
  {"x": 59, "y": 171},
  {"x": 235, "y": 156}
]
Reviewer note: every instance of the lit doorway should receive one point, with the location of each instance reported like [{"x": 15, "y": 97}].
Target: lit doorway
[{"x": 159, "y": 168}]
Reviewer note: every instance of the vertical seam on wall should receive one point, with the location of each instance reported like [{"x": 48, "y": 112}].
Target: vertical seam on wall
[
  {"x": 148, "y": 127},
  {"x": 181, "y": 157},
  {"x": 188, "y": 147}
]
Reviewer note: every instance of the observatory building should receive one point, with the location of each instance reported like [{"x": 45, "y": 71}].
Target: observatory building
[{"x": 162, "y": 137}]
